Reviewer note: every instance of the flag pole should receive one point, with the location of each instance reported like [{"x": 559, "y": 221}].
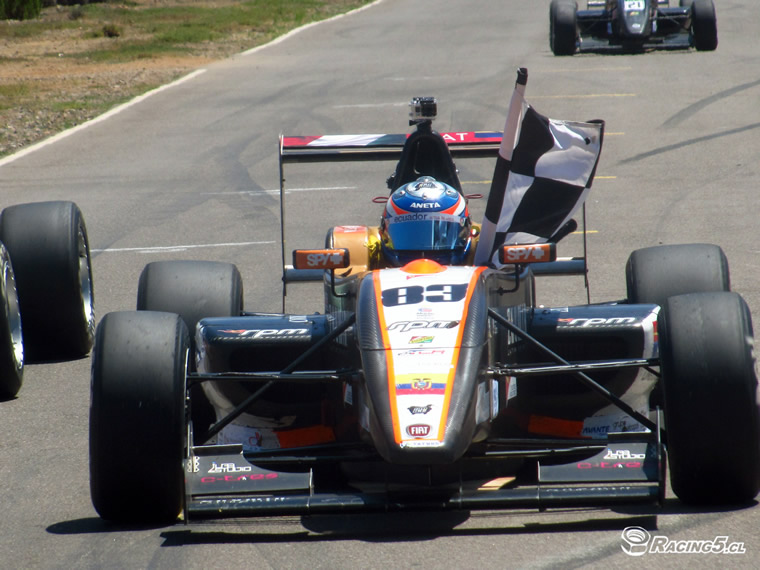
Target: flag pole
[
  {"x": 513, "y": 115},
  {"x": 501, "y": 170}
]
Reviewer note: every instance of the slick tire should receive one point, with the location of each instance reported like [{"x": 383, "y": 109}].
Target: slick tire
[
  {"x": 11, "y": 338},
  {"x": 655, "y": 273},
  {"x": 704, "y": 25},
  {"x": 563, "y": 24},
  {"x": 48, "y": 245},
  {"x": 711, "y": 408},
  {"x": 137, "y": 417},
  {"x": 191, "y": 289}
]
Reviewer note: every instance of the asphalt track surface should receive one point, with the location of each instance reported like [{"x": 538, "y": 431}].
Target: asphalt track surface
[{"x": 190, "y": 173}]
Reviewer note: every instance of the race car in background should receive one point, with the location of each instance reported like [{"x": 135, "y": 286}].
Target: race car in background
[
  {"x": 632, "y": 25},
  {"x": 426, "y": 381},
  {"x": 46, "y": 301}
]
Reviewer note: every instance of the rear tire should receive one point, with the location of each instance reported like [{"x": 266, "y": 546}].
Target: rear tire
[
  {"x": 191, "y": 289},
  {"x": 137, "y": 417},
  {"x": 48, "y": 245},
  {"x": 563, "y": 26},
  {"x": 655, "y": 273},
  {"x": 11, "y": 337},
  {"x": 711, "y": 409},
  {"x": 194, "y": 290},
  {"x": 704, "y": 25}
]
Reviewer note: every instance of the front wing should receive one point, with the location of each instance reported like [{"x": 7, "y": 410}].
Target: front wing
[
  {"x": 222, "y": 481},
  {"x": 671, "y": 31}
]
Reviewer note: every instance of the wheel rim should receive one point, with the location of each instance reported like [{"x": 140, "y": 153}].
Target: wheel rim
[
  {"x": 14, "y": 314},
  {"x": 85, "y": 282}
]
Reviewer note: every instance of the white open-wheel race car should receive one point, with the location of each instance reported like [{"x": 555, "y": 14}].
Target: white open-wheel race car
[
  {"x": 427, "y": 381},
  {"x": 46, "y": 296}
]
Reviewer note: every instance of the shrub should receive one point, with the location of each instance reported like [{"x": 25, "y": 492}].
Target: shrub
[
  {"x": 20, "y": 9},
  {"x": 111, "y": 31}
]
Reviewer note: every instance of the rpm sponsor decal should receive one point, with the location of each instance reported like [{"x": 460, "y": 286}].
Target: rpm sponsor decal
[
  {"x": 405, "y": 326},
  {"x": 232, "y": 335},
  {"x": 598, "y": 322}
]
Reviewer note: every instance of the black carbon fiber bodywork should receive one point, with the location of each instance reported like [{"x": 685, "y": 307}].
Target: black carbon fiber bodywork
[{"x": 610, "y": 23}]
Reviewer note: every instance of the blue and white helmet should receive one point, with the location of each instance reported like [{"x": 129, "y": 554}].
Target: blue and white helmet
[{"x": 426, "y": 219}]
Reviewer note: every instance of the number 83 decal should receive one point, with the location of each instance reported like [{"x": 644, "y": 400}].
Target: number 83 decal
[{"x": 431, "y": 294}]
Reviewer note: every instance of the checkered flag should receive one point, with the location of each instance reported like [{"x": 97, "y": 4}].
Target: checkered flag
[{"x": 542, "y": 176}]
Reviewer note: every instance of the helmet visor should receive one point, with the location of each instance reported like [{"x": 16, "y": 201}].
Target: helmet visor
[{"x": 425, "y": 232}]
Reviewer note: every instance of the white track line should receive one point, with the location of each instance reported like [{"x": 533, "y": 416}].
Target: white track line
[
  {"x": 276, "y": 192},
  {"x": 139, "y": 98},
  {"x": 306, "y": 27},
  {"x": 98, "y": 119},
  {"x": 174, "y": 248}
]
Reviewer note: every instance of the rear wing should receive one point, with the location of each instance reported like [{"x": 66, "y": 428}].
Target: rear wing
[{"x": 344, "y": 148}]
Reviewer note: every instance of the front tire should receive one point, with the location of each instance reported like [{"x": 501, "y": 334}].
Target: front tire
[
  {"x": 137, "y": 417},
  {"x": 711, "y": 408},
  {"x": 563, "y": 24},
  {"x": 704, "y": 25},
  {"x": 48, "y": 245}
]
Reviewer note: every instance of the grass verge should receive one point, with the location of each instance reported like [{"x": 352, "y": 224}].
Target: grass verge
[{"x": 76, "y": 62}]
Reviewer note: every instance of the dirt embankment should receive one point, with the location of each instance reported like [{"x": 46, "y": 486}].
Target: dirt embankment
[{"x": 44, "y": 90}]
